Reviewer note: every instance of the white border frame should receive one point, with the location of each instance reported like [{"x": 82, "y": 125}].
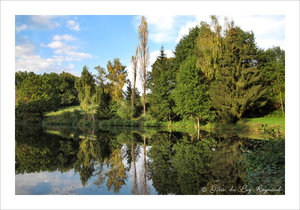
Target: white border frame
[{"x": 11, "y": 8}]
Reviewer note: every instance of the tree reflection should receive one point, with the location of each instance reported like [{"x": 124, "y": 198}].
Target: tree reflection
[
  {"x": 37, "y": 151},
  {"x": 117, "y": 172},
  {"x": 175, "y": 162}
]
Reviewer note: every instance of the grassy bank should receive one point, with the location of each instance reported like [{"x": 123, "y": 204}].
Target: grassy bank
[{"x": 249, "y": 127}]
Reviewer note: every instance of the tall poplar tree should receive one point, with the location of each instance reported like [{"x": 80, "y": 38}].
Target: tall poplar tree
[
  {"x": 134, "y": 62},
  {"x": 143, "y": 56}
]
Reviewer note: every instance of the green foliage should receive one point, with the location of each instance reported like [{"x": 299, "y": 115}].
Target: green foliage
[
  {"x": 67, "y": 91},
  {"x": 272, "y": 65},
  {"x": 185, "y": 48},
  {"x": 191, "y": 95},
  {"x": 37, "y": 151},
  {"x": 117, "y": 76},
  {"x": 87, "y": 92},
  {"x": 36, "y": 94},
  {"x": 107, "y": 107},
  {"x": 161, "y": 82},
  {"x": 208, "y": 48},
  {"x": 238, "y": 86},
  {"x": 152, "y": 124},
  {"x": 266, "y": 167},
  {"x": 125, "y": 111}
]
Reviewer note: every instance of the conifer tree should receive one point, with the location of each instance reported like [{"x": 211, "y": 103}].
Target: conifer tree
[
  {"x": 161, "y": 84},
  {"x": 238, "y": 86}
]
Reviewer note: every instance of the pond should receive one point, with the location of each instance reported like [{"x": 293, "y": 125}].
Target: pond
[{"x": 119, "y": 161}]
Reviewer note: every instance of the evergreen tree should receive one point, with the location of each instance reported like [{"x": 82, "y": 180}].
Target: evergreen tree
[
  {"x": 161, "y": 85},
  {"x": 104, "y": 99},
  {"x": 238, "y": 86},
  {"x": 191, "y": 94},
  {"x": 186, "y": 47}
]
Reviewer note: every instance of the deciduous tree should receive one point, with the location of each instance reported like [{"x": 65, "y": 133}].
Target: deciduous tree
[
  {"x": 134, "y": 62},
  {"x": 143, "y": 56},
  {"x": 117, "y": 77}
]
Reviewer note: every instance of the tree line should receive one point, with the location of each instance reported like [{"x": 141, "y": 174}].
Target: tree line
[{"x": 217, "y": 73}]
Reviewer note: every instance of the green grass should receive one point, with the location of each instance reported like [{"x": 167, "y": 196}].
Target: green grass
[
  {"x": 249, "y": 127},
  {"x": 60, "y": 111},
  {"x": 267, "y": 120}
]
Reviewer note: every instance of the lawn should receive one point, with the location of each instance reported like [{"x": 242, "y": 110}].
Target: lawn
[
  {"x": 60, "y": 111},
  {"x": 248, "y": 127}
]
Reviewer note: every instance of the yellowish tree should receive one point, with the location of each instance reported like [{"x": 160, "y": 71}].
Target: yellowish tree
[
  {"x": 117, "y": 77},
  {"x": 209, "y": 48}
]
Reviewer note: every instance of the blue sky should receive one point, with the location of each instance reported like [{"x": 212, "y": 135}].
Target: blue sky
[{"x": 67, "y": 43}]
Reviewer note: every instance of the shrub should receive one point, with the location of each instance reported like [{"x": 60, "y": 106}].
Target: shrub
[{"x": 125, "y": 111}]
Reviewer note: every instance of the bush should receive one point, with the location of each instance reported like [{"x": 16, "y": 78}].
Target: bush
[{"x": 125, "y": 111}]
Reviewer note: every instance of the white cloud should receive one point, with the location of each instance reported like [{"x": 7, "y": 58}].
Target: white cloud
[
  {"x": 24, "y": 50},
  {"x": 69, "y": 52},
  {"x": 21, "y": 28},
  {"x": 72, "y": 25},
  {"x": 155, "y": 54},
  {"x": 55, "y": 44},
  {"x": 268, "y": 31},
  {"x": 65, "y": 37},
  {"x": 195, "y": 21},
  {"x": 44, "y": 21},
  {"x": 161, "y": 22},
  {"x": 59, "y": 183},
  {"x": 27, "y": 60}
]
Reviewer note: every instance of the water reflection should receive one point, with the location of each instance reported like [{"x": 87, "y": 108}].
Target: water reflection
[{"x": 120, "y": 161}]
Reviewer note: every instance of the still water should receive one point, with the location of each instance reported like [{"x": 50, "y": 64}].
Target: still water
[{"x": 118, "y": 161}]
